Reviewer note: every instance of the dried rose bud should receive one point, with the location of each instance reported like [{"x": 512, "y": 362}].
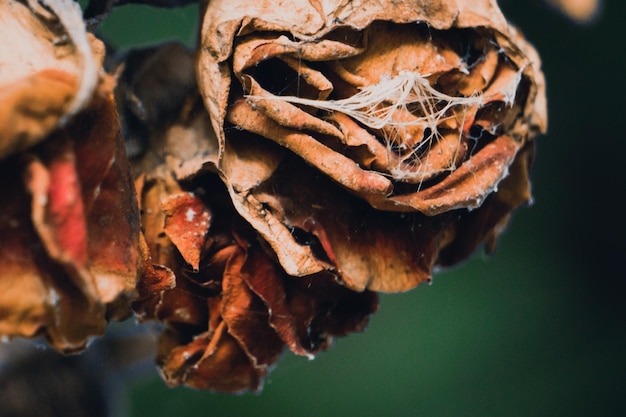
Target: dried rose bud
[
  {"x": 69, "y": 224},
  {"x": 373, "y": 138},
  {"x": 233, "y": 309}
]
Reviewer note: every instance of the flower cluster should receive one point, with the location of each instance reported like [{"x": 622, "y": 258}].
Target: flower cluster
[{"x": 257, "y": 192}]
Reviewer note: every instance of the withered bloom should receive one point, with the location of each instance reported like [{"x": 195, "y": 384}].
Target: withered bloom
[
  {"x": 371, "y": 138},
  {"x": 69, "y": 224},
  {"x": 232, "y": 309}
]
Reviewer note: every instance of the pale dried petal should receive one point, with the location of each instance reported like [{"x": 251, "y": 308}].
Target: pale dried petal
[{"x": 44, "y": 80}]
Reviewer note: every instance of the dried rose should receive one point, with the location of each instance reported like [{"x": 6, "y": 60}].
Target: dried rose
[
  {"x": 371, "y": 129},
  {"x": 69, "y": 228},
  {"x": 233, "y": 309}
]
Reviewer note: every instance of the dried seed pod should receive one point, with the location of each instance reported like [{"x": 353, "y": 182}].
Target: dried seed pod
[
  {"x": 372, "y": 129},
  {"x": 69, "y": 228}
]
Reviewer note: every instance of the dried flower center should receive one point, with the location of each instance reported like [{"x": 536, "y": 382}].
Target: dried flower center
[{"x": 398, "y": 107}]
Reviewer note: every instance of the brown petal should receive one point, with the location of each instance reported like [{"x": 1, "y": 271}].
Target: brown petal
[
  {"x": 247, "y": 316},
  {"x": 328, "y": 309},
  {"x": 489, "y": 221},
  {"x": 369, "y": 249},
  {"x": 212, "y": 361},
  {"x": 43, "y": 81},
  {"x": 340, "y": 168},
  {"x": 186, "y": 224},
  {"x": 469, "y": 184},
  {"x": 32, "y": 107},
  {"x": 285, "y": 114},
  {"x": 266, "y": 280}
]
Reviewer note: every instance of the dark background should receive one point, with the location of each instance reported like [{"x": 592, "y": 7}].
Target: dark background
[{"x": 535, "y": 330}]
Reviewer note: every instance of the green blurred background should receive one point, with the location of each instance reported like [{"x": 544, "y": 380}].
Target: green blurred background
[{"x": 535, "y": 330}]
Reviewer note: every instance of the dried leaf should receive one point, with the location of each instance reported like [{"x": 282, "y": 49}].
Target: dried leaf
[{"x": 419, "y": 109}]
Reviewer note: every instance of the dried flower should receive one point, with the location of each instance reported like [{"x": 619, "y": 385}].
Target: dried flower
[
  {"x": 69, "y": 228},
  {"x": 233, "y": 309},
  {"x": 329, "y": 151},
  {"x": 357, "y": 137}
]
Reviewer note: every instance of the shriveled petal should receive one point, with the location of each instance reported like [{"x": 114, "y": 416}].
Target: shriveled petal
[
  {"x": 489, "y": 221},
  {"x": 186, "y": 224},
  {"x": 71, "y": 251},
  {"x": 247, "y": 316},
  {"x": 212, "y": 361}
]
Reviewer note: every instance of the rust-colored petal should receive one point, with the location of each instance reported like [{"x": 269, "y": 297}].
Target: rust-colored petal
[
  {"x": 57, "y": 207},
  {"x": 365, "y": 246},
  {"x": 264, "y": 278},
  {"x": 247, "y": 316},
  {"x": 186, "y": 224},
  {"x": 487, "y": 223},
  {"x": 471, "y": 181},
  {"x": 212, "y": 361}
]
